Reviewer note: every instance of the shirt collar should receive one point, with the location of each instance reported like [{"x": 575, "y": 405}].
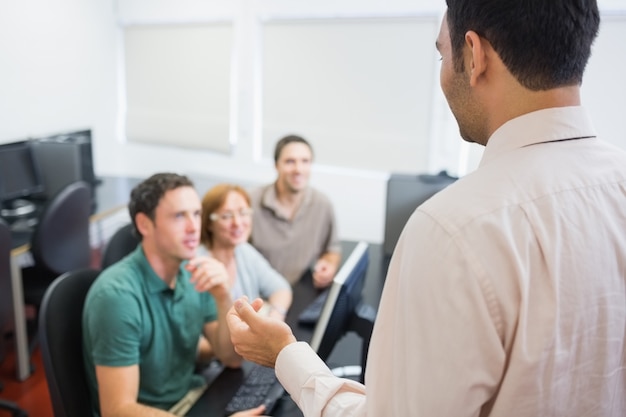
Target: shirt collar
[
  {"x": 269, "y": 200},
  {"x": 154, "y": 283},
  {"x": 547, "y": 125}
]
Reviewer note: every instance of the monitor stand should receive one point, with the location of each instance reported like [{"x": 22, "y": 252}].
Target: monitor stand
[{"x": 17, "y": 208}]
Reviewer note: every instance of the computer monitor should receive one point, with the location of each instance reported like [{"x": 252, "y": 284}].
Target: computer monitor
[
  {"x": 404, "y": 194},
  {"x": 63, "y": 159},
  {"x": 341, "y": 312},
  {"x": 19, "y": 174}
]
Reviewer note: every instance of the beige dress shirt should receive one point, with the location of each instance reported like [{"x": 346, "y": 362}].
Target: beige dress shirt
[{"x": 506, "y": 294}]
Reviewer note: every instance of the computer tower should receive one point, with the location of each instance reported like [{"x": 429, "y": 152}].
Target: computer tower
[
  {"x": 64, "y": 159},
  {"x": 404, "y": 194}
]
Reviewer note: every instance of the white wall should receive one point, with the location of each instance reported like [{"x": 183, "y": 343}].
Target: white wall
[
  {"x": 57, "y": 62},
  {"x": 60, "y": 69}
]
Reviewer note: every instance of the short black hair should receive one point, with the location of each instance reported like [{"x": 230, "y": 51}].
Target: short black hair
[
  {"x": 544, "y": 43},
  {"x": 145, "y": 197},
  {"x": 280, "y": 145}
]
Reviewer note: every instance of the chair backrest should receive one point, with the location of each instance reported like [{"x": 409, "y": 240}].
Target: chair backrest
[
  {"x": 61, "y": 335},
  {"x": 6, "y": 298},
  {"x": 60, "y": 242},
  {"x": 121, "y": 244}
]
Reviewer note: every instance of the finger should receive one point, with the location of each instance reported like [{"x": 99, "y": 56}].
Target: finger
[
  {"x": 197, "y": 270},
  {"x": 233, "y": 311},
  {"x": 233, "y": 321},
  {"x": 257, "y": 304},
  {"x": 194, "y": 262},
  {"x": 258, "y": 410},
  {"x": 246, "y": 311},
  {"x": 251, "y": 412},
  {"x": 321, "y": 282},
  {"x": 191, "y": 268},
  {"x": 319, "y": 277}
]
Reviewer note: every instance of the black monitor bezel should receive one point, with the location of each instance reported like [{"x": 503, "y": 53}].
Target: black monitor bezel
[{"x": 343, "y": 298}]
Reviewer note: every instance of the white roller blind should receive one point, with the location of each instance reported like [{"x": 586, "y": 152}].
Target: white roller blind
[
  {"x": 178, "y": 84},
  {"x": 359, "y": 89},
  {"x": 603, "y": 88}
]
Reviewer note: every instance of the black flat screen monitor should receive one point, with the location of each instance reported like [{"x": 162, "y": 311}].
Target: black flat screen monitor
[
  {"x": 343, "y": 298},
  {"x": 19, "y": 174}
]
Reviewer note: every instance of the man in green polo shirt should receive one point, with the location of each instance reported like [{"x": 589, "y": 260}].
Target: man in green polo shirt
[{"x": 143, "y": 315}]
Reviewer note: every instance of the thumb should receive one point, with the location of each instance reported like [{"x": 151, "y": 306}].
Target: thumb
[{"x": 245, "y": 311}]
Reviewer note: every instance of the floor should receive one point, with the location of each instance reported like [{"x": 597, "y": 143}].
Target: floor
[{"x": 32, "y": 394}]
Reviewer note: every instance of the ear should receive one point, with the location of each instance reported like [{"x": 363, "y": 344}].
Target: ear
[
  {"x": 144, "y": 223},
  {"x": 477, "y": 64}
]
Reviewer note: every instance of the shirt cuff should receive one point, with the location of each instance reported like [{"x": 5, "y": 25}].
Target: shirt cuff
[{"x": 294, "y": 366}]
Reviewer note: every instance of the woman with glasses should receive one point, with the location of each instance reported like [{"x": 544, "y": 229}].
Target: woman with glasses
[{"x": 226, "y": 227}]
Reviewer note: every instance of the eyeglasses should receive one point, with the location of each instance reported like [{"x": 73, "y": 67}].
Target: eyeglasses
[{"x": 229, "y": 215}]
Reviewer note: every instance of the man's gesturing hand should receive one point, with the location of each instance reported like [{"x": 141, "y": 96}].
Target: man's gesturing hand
[{"x": 256, "y": 337}]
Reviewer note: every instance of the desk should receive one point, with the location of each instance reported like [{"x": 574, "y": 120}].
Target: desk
[
  {"x": 347, "y": 352},
  {"x": 110, "y": 196}
]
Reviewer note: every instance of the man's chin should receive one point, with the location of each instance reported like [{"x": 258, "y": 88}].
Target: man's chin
[
  {"x": 296, "y": 189},
  {"x": 190, "y": 252}
]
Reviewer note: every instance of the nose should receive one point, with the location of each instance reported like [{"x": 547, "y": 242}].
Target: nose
[{"x": 193, "y": 223}]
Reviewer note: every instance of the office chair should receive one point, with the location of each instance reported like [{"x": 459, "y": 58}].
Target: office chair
[
  {"x": 60, "y": 329},
  {"x": 60, "y": 243},
  {"x": 123, "y": 242},
  {"x": 6, "y": 306}
]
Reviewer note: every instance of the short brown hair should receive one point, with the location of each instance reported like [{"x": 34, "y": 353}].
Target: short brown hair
[
  {"x": 145, "y": 197},
  {"x": 280, "y": 145}
]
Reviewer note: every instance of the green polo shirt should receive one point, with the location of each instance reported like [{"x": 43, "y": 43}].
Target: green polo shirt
[{"x": 132, "y": 317}]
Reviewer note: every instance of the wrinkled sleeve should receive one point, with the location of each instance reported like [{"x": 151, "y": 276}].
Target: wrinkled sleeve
[{"x": 313, "y": 386}]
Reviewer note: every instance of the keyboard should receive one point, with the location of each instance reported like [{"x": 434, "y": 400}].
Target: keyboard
[
  {"x": 260, "y": 386},
  {"x": 312, "y": 312}
]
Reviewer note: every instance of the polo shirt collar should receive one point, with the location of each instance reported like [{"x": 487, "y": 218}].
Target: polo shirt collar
[
  {"x": 547, "y": 125},
  {"x": 154, "y": 284},
  {"x": 269, "y": 200}
]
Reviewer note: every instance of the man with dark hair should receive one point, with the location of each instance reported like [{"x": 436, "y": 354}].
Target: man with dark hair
[
  {"x": 506, "y": 292},
  {"x": 294, "y": 225},
  {"x": 143, "y": 315}
]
